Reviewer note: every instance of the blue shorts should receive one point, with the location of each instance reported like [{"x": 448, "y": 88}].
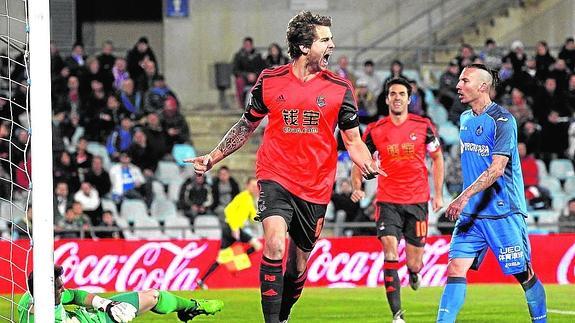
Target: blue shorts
[{"x": 506, "y": 237}]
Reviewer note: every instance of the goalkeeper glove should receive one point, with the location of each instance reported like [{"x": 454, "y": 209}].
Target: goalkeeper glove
[{"x": 119, "y": 312}]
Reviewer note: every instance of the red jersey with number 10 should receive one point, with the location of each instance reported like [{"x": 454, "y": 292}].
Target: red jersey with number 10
[
  {"x": 299, "y": 150},
  {"x": 402, "y": 150}
]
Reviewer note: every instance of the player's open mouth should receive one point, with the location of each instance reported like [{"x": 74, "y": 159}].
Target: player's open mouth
[{"x": 325, "y": 59}]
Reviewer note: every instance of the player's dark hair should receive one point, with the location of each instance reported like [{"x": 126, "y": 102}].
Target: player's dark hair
[
  {"x": 400, "y": 81},
  {"x": 301, "y": 31},
  {"x": 494, "y": 73},
  {"x": 58, "y": 271}
]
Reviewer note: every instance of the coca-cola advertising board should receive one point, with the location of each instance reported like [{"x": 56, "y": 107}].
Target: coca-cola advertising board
[{"x": 120, "y": 265}]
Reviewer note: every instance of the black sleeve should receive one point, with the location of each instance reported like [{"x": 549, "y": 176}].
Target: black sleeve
[
  {"x": 369, "y": 143},
  {"x": 430, "y": 135},
  {"x": 347, "y": 117},
  {"x": 255, "y": 108}
]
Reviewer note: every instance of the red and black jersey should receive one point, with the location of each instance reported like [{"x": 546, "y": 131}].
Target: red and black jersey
[
  {"x": 402, "y": 150},
  {"x": 299, "y": 150}
]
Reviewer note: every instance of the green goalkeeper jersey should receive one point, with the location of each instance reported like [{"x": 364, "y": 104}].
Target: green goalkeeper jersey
[{"x": 62, "y": 315}]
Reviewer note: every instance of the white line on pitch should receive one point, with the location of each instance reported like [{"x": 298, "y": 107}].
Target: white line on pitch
[{"x": 561, "y": 312}]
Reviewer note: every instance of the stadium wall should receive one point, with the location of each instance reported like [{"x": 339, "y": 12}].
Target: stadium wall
[{"x": 120, "y": 265}]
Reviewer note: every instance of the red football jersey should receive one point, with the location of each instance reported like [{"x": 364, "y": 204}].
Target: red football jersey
[
  {"x": 402, "y": 150},
  {"x": 299, "y": 150}
]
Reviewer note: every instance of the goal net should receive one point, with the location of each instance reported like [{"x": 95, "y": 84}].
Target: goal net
[{"x": 26, "y": 237}]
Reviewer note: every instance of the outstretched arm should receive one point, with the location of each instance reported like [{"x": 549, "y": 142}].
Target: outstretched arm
[
  {"x": 359, "y": 154},
  {"x": 234, "y": 139}
]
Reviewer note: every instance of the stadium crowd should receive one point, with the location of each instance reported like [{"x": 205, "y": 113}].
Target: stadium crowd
[{"x": 117, "y": 123}]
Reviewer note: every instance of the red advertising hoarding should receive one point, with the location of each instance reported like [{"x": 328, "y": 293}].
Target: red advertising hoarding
[{"x": 120, "y": 265}]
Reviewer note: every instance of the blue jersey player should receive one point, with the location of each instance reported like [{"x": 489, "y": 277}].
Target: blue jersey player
[{"x": 491, "y": 210}]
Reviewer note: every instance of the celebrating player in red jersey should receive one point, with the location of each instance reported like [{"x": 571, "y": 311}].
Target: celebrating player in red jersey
[
  {"x": 296, "y": 163},
  {"x": 402, "y": 140}
]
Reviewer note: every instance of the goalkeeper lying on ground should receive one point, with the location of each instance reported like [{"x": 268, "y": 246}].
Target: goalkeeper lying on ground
[{"x": 118, "y": 309}]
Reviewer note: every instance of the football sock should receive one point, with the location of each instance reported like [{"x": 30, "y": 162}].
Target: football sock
[
  {"x": 293, "y": 287},
  {"x": 168, "y": 303},
  {"x": 212, "y": 268},
  {"x": 535, "y": 295},
  {"x": 271, "y": 285},
  {"x": 452, "y": 299},
  {"x": 392, "y": 285}
]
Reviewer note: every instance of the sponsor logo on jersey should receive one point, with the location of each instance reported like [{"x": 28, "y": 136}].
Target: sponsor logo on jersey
[
  {"x": 281, "y": 98},
  {"x": 502, "y": 119},
  {"x": 320, "y": 100},
  {"x": 479, "y": 130},
  {"x": 413, "y": 136},
  {"x": 482, "y": 150},
  {"x": 510, "y": 255}
]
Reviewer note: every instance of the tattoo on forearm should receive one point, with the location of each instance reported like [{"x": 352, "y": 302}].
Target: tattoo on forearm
[
  {"x": 486, "y": 179},
  {"x": 237, "y": 136}
]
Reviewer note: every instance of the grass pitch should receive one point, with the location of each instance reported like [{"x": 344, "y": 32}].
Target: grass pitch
[{"x": 484, "y": 303}]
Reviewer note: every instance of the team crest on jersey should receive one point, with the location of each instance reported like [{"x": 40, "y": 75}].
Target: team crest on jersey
[
  {"x": 320, "y": 100},
  {"x": 479, "y": 130},
  {"x": 413, "y": 136}
]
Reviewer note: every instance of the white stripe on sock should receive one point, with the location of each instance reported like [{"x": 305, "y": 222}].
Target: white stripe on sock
[{"x": 561, "y": 312}]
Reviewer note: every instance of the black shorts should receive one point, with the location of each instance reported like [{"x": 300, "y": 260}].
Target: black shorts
[
  {"x": 408, "y": 220},
  {"x": 228, "y": 239},
  {"x": 304, "y": 219}
]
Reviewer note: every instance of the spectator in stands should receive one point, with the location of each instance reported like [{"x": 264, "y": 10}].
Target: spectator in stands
[
  {"x": 275, "y": 57},
  {"x": 530, "y": 134},
  {"x": 107, "y": 58},
  {"x": 56, "y": 61},
  {"x": 560, "y": 73},
  {"x": 366, "y": 105},
  {"x": 447, "y": 83},
  {"x": 224, "y": 189},
  {"x": 548, "y": 98},
  {"x": 571, "y": 149},
  {"x": 343, "y": 70},
  {"x": 112, "y": 231},
  {"x": 71, "y": 225},
  {"x": 158, "y": 94},
  {"x": 491, "y": 55},
  {"x": 341, "y": 199},
  {"x": 567, "y": 219},
  {"x": 247, "y": 65},
  {"x": 175, "y": 124},
  {"x": 24, "y": 173},
  {"x": 128, "y": 182},
  {"x": 77, "y": 58},
  {"x": 417, "y": 104},
  {"x": 72, "y": 131},
  {"x": 91, "y": 72},
  {"x": 466, "y": 56},
  {"x": 543, "y": 60},
  {"x": 519, "y": 107},
  {"x": 62, "y": 199},
  {"x": 82, "y": 158},
  {"x": 71, "y": 94},
  {"x": 516, "y": 56},
  {"x": 89, "y": 199},
  {"x": 194, "y": 197},
  {"x": 554, "y": 135},
  {"x": 23, "y": 227},
  {"x": 395, "y": 71},
  {"x": 567, "y": 53},
  {"x": 110, "y": 117},
  {"x": 91, "y": 116},
  {"x": 536, "y": 196},
  {"x": 146, "y": 79},
  {"x": 66, "y": 171},
  {"x": 155, "y": 134},
  {"x": 60, "y": 83},
  {"x": 120, "y": 72},
  {"x": 374, "y": 82},
  {"x": 120, "y": 139},
  {"x": 143, "y": 155},
  {"x": 139, "y": 53},
  {"x": 58, "y": 119},
  {"x": 131, "y": 100},
  {"x": 4, "y": 144},
  {"x": 570, "y": 94},
  {"x": 99, "y": 177}
]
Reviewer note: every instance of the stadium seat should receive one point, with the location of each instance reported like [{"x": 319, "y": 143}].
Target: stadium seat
[
  {"x": 167, "y": 172},
  {"x": 429, "y": 97},
  {"x": 178, "y": 233},
  {"x": 158, "y": 189},
  {"x": 438, "y": 114},
  {"x": 123, "y": 224},
  {"x": 98, "y": 149},
  {"x": 207, "y": 226},
  {"x": 109, "y": 205},
  {"x": 181, "y": 152},
  {"x": 174, "y": 189},
  {"x": 131, "y": 210},
  {"x": 449, "y": 133},
  {"x": 163, "y": 209},
  {"x": 542, "y": 169},
  {"x": 552, "y": 184},
  {"x": 148, "y": 228},
  {"x": 561, "y": 168},
  {"x": 569, "y": 186}
]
